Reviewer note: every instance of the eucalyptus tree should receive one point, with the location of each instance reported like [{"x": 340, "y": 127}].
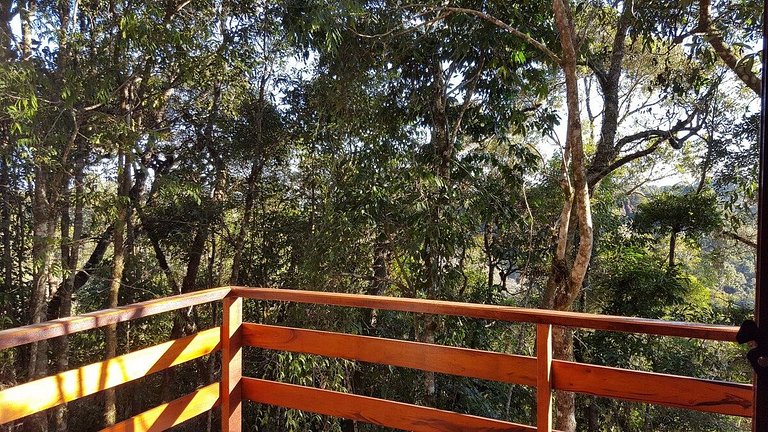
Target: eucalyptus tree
[
  {"x": 620, "y": 56},
  {"x": 444, "y": 88}
]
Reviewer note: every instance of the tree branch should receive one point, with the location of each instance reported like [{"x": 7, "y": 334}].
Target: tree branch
[
  {"x": 501, "y": 24},
  {"x": 740, "y": 239},
  {"x": 472, "y": 84},
  {"x": 713, "y": 36}
]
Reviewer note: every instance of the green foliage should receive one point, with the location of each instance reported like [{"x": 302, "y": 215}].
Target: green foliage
[
  {"x": 669, "y": 212},
  {"x": 636, "y": 283},
  {"x": 299, "y": 136}
]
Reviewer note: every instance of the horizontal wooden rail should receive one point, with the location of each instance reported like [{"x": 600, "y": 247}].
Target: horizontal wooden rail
[
  {"x": 173, "y": 413},
  {"x": 499, "y": 313},
  {"x": 671, "y": 390},
  {"x": 650, "y": 387},
  {"x": 36, "y": 332},
  {"x": 38, "y": 395},
  {"x": 370, "y": 410},
  {"x": 471, "y": 363}
]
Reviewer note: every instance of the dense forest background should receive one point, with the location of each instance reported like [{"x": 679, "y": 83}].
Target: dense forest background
[{"x": 577, "y": 155}]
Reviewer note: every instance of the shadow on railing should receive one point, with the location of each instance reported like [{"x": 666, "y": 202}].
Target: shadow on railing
[{"x": 543, "y": 372}]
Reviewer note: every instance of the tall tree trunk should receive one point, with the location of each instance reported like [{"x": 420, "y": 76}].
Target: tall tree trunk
[
  {"x": 118, "y": 264},
  {"x": 70, "y": 258},
  {"x": 567, "y": 276},
  {"x": 245, "y": 222},
  {"x": 6, "y": 38},
  {"x": 42, "y": 239},
  {"x": 257, "y": 167},
  {"x": 5, "y": 225},
  {"x": 442, "y": 154},
  {"x": 60, "y": 412}
]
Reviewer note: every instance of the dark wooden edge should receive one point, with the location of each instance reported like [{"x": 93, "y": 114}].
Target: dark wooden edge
[
  {"x": 170, "y": 414},
  {"x": 369, "y": 410},
  {"x": 760, "y": 418},
  {"x": 649, "y": 387},
  {"x": 36, "y": 332},
  {"x": 513, "y": 369},
  {"x": 499, "y": 313}
]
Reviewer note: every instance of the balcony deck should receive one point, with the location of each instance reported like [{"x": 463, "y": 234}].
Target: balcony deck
[{"x": 542, "y": 372}]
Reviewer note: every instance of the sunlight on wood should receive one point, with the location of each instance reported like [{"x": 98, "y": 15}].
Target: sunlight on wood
[
  {"x": 69, "y": 325},
  {"x": 171, "y": 414},
  {"x": 35, "y": 396}
]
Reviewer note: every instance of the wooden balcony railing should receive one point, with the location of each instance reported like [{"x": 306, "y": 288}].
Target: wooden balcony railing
[{"x": 543, "y": 372}]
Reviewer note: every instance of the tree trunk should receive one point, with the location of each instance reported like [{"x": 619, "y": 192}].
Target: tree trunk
[
  {"x": 5, "y": 225},
  {"x": 245, "y": 223},
  {"x": 568, "y": 275},
  {"x": 672, "y": 243},
  {"x": 41, "y": 264},
  {"x": 6, "y": 45},
  {"x": 118, "y": 264},
  {"x": 27, "y": 11},
  {"x": 70, "y": 255},
  {"x": 69, "y": 284}
]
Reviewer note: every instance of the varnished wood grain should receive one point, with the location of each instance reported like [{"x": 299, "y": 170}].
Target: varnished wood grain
[
  {"x": 500, "y": 313},
  {"x": 493, "y": 366},
  {"x": 172, "y": 413},
  {"x": 231, "y": 365},
  {"x": 544, "y": 378},
  {"x": 36, "y": 332},
  {"x": 677, "y": 391},
  {"x": 370, "y": 410},
  {"x": 35, "y": 396},
  {"x": 710, "y": 396}
]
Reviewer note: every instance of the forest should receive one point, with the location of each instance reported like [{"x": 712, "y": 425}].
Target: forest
[{"x": 585, "y": 155}]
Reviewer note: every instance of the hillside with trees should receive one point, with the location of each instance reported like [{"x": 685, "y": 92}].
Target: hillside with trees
[{"x": 572, "y": 155}]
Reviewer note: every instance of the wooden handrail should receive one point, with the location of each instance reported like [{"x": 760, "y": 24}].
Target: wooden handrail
[
  {"x": 498, "y": 313},
  {"x": 656, "y": 388},
  {"x": 549, "y": 374},
  {"x": 663, "y": 389},
  {"x": 542, "y": 371},
  {"x": 64, "y": 326}
]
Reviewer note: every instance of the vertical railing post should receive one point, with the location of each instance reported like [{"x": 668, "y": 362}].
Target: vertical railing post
[
  {"x": 231, "y": 365},
  {"x": 544, "y": 377}
]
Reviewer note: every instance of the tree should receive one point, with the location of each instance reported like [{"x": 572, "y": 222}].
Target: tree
[{"x": 673, "y": 214}]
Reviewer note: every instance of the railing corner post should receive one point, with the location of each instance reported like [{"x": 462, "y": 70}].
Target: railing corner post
[
  {"x": 231, "y": 365},
  {"x": 544, "y": 377}
]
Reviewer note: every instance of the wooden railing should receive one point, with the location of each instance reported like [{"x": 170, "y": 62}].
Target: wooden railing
[{"x": 542, "y": 371}]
